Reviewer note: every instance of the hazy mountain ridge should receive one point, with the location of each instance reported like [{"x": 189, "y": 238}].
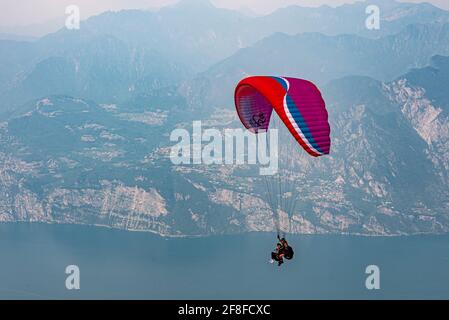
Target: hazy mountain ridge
[
  {"x": 117, "y": 51},
  {"x": 351, "y": 18},
  {"x": 101, "y": 68},
  {"x": 321, "y": 58}
]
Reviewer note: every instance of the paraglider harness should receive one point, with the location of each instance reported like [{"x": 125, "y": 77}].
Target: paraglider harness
[
  {"x": 288, "y": 253},
  {"x": 286, "y": 249},
  {"x": 283, "y": 251}
]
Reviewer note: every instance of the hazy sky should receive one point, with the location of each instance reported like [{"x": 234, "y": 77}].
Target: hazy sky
[{"x": 28, "y": 12}]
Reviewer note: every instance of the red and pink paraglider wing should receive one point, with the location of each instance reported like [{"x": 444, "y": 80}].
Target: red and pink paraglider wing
[{"x": 298, "y": 103}]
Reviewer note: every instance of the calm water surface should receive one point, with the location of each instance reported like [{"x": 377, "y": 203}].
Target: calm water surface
[{"x": 124, "y": 265}]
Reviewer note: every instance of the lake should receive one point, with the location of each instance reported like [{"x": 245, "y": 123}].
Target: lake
[{"x": 125, "y": 265}]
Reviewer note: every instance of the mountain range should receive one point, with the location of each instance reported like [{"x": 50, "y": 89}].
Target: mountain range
[
  {"x": 86, "y": 117},
  {"x": 123, "y": 51}
]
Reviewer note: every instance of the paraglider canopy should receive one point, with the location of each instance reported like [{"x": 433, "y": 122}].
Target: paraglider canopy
[{"x": 297, "y": 102}]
